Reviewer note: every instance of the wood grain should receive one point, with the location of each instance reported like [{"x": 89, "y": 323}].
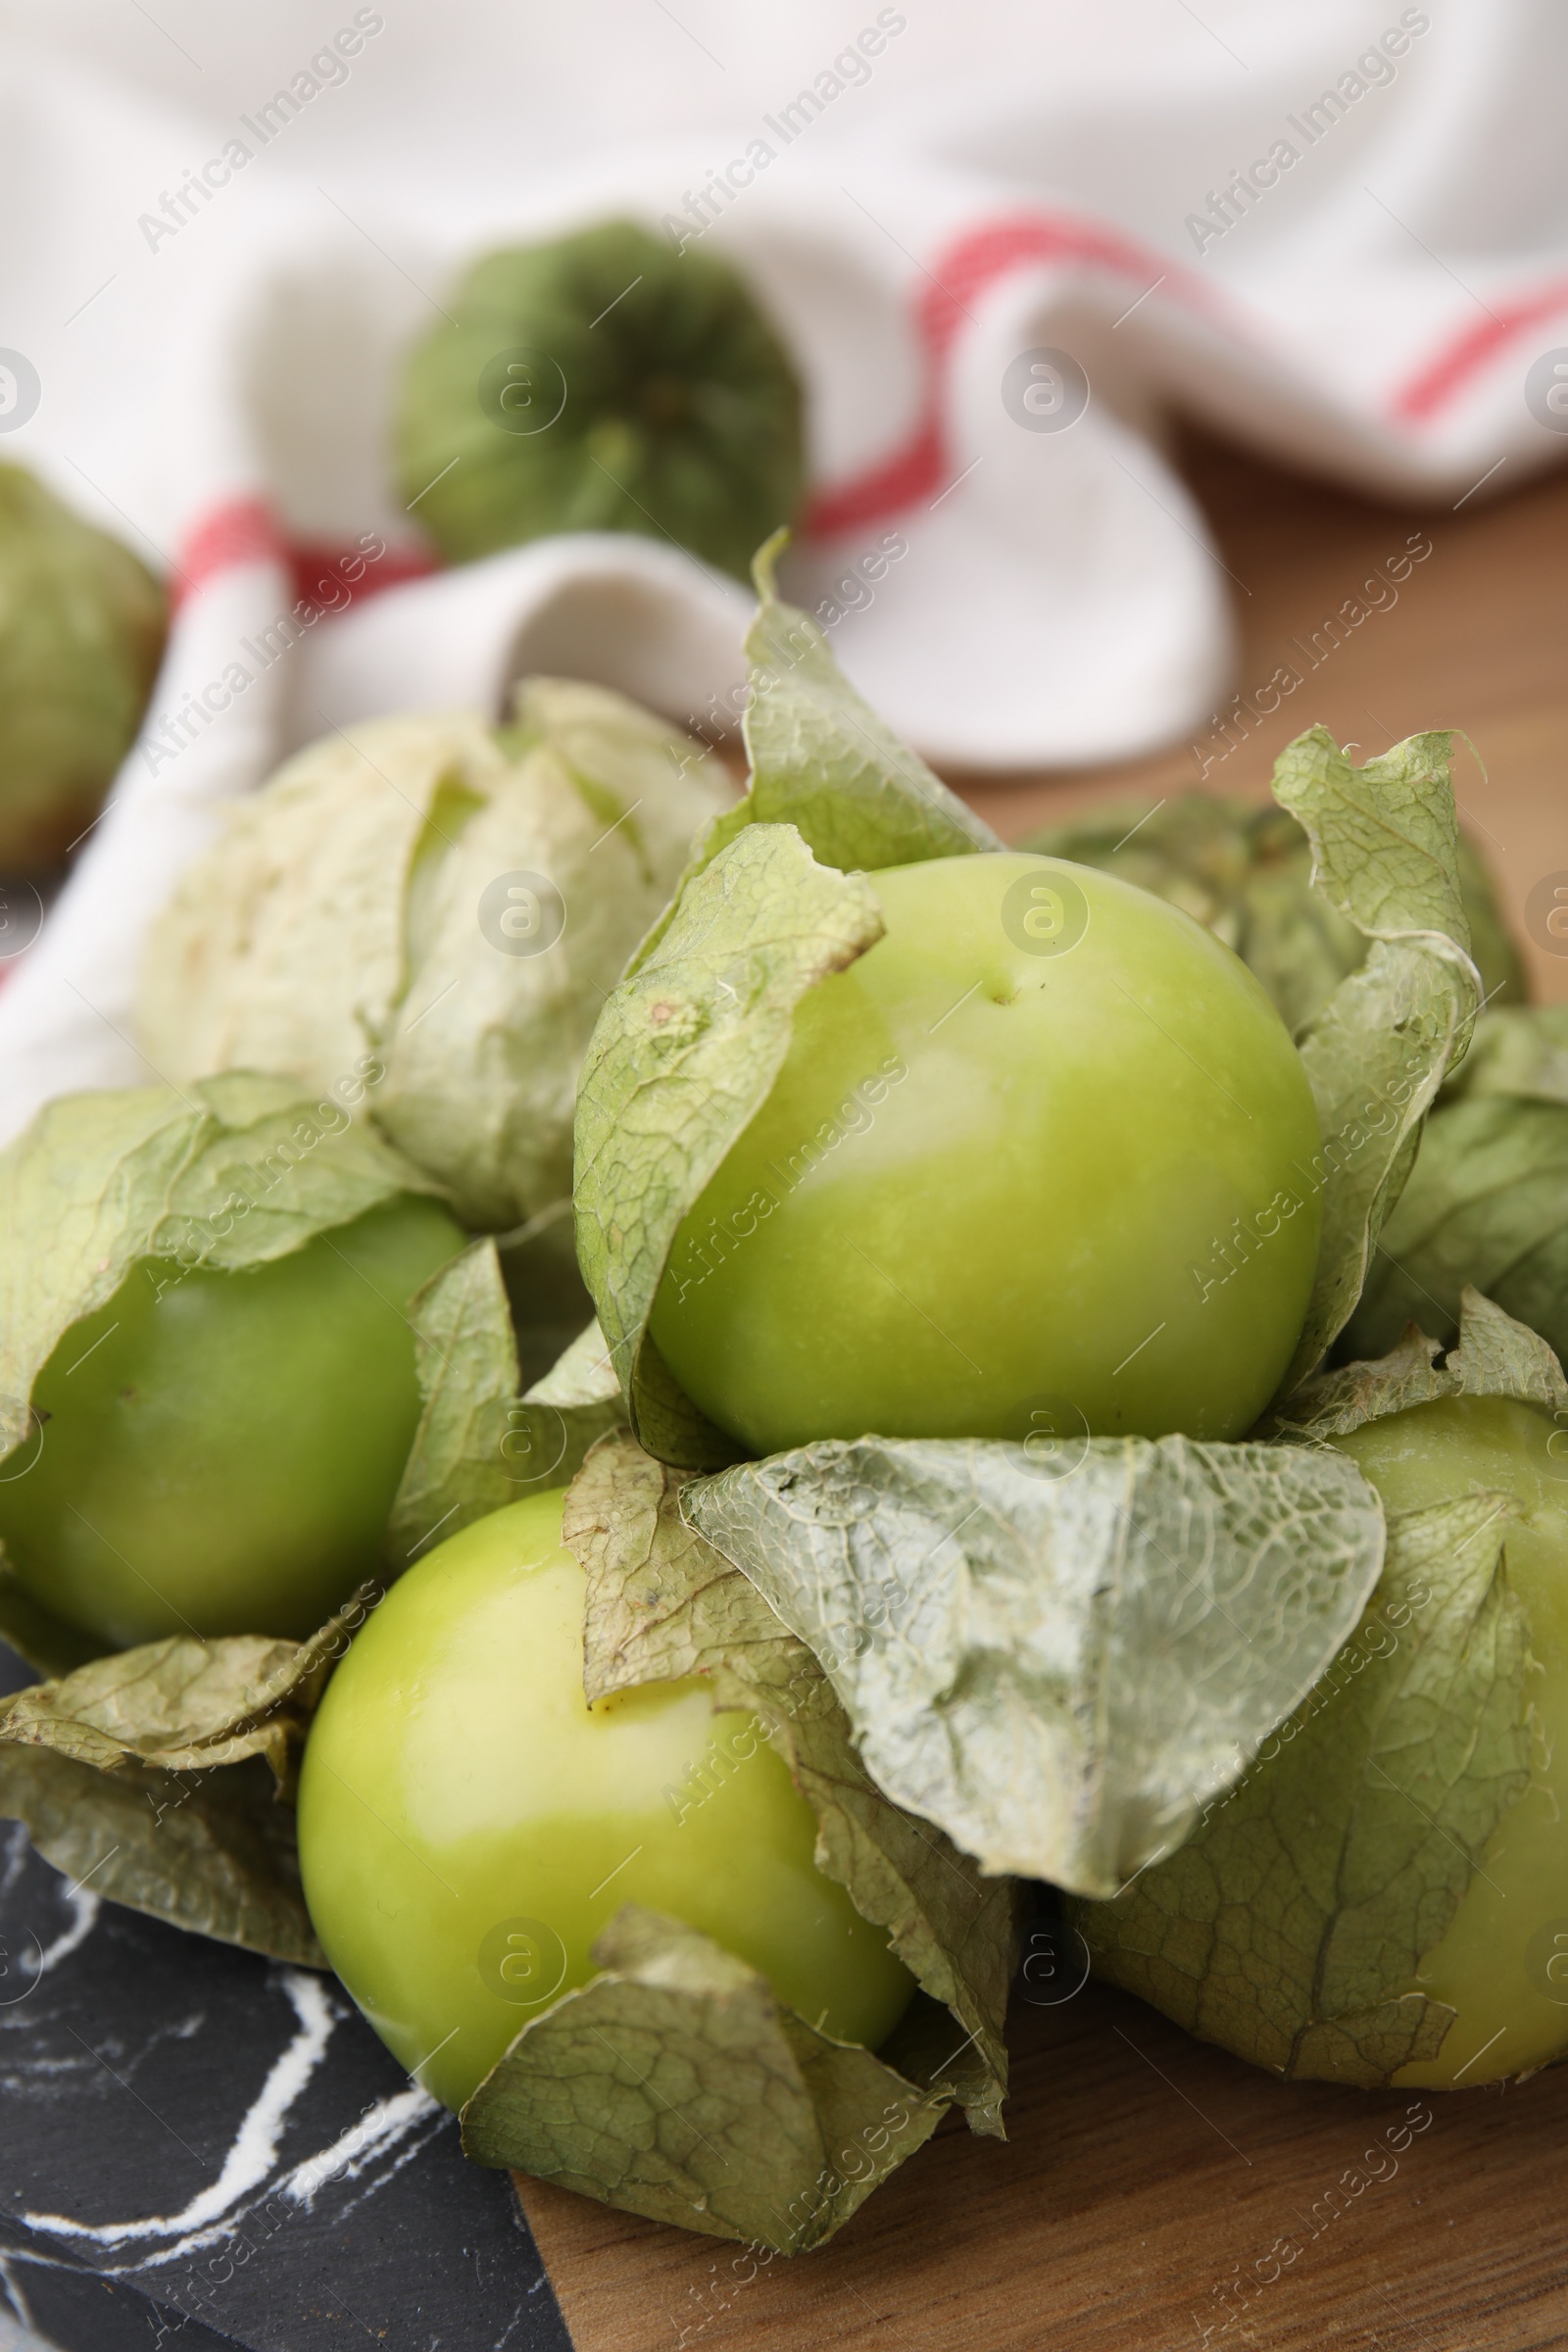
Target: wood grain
[
  {"x": 1145, "y": 2175},
  {"x": 1148, "y": 2177}
]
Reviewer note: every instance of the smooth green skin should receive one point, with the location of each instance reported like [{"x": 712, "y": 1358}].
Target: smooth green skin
[
  {"x": 455, "y": 1780},
  {"x": 1021, "y": 1236},
  {"x": 1459, "y": 1445},
  {"x": 220, "y": 1451}
]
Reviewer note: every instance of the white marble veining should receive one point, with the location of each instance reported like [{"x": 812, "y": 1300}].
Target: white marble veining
[
  {"x": 22, "y": 1973},
  {"x": 249, "y": 2169},
  {"x": 84, "y": 1908},
  {"x": 388, "y": 2122},
  {"x": 253, "y": 2151},
  {"x": 284, "y": 2120}
]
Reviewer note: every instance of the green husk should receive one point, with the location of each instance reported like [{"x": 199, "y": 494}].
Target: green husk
[
  {"x": 156, "y": 1774},
  {"x": 1246, "y": 873},
  {"x": 647, "y": 393},
  {"x": 1486, "y": 1203},
  {"x": 185, "y": 1705},
  {"x": 1384, "y": 854},
  {"x": 484, "y": 1441},
  {"x": 663, "y": 1604},
  {"x": 234, "y": 1172},
  {"x": 83, "y": 624},
  {"x": 211, "y": 1851},
  {"x": 676, "y": 2084},
  {"x": 1058, "y": 1672},
  {"x": 823, "y": 762},
  {"x": 1291, "y": 1924},
  {"x": 355, "y": 915}
]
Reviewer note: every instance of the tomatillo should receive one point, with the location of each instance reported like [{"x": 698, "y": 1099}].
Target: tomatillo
[
  {"x": 1502, "y": 1962},
  {"x": 83, "y": 624},
  {"x": 467, "y": 1823},
  {"x": 1043, "y": 1162},
  {"x": 602, "y": 381},
  {"x": 219, "y": 1450}
]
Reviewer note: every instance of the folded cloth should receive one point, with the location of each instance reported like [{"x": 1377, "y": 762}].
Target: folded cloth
[{"x": 1336, "y": 233}]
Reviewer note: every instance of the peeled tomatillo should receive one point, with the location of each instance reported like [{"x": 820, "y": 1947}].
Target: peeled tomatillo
[
  {"x": 218, "y": 1452},
  {"x": 467, "y": 1824},
  {"x": 1503, "y": 1962},
  {"x": 1042, "y": 1161}
]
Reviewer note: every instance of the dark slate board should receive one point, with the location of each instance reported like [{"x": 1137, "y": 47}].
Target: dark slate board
[{"x": 159, "y": 2097}]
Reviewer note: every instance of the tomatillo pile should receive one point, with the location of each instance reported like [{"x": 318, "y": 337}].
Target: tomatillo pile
[{"x": 958, "y": 1484}]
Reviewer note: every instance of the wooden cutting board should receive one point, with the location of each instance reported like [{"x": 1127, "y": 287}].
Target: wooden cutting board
[
  {"x": 1150, "y": 2188},
  {"x": 1155, "y": 2196}
]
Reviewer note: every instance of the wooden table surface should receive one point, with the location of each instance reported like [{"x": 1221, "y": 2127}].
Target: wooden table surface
[
  {"x": 1477, "y": 640},
  {"x": 1146, "y": 2177}
]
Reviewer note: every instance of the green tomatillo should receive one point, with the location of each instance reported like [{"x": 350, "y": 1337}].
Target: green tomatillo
[
  {"x": 208, "y": 1385},
  {"x": 82, "y": 634},
  {"x": 602, "y": 383},
  {"x": 467, "y": 1824},
  {"x": 219, "y": 1452},
  {"x": 1502, "y": 1962},
  {"x": 1381, "y": 1897},
  {"x": 1041, "y": 1162},
  {"x": 451, "y": 898}
]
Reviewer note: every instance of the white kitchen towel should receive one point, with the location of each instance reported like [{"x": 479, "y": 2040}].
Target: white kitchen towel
[{"x": 1006, "y": 253}]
